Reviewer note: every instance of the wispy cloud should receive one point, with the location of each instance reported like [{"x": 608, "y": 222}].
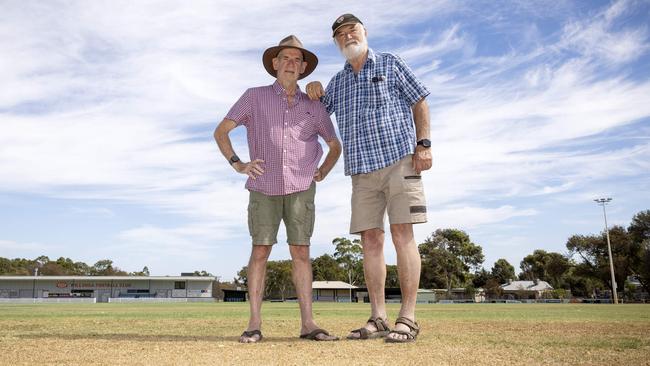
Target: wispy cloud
[{"x": 117, "y": 102}]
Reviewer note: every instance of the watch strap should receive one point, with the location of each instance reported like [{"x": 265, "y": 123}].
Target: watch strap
[{"x": 233, "y": 159}]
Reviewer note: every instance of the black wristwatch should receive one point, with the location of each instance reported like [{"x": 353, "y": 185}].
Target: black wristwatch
[
  {"x": 425, "y": 143},
  {"x": 233, "y": 159}
]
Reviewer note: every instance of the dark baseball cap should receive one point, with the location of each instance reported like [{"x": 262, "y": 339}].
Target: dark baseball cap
[{"x": 344, "y": 19}]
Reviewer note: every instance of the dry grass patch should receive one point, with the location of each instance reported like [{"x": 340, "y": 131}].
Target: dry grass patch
[{"x": 177, "y": 334}]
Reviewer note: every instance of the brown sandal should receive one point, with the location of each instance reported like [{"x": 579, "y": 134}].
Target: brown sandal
[
  {"x": 380, "y": 324},
  {"x": 411, "y": 335}
]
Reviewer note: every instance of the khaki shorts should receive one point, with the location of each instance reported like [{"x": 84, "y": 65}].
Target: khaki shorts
[
  {"x": 296, "y": 209},
  {"x": 396, "y": 189}
]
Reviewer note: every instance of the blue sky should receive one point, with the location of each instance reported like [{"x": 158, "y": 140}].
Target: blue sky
[{"x": 107, "y": 112}]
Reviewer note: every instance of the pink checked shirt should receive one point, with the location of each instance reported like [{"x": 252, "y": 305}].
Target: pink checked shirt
[{"x": 286, "y": 138}]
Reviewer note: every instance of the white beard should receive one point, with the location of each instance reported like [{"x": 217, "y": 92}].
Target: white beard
[{"x": 354, "y": 50}]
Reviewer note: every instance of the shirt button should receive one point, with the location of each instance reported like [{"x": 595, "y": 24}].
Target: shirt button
[{"x": 287, "y": 111}]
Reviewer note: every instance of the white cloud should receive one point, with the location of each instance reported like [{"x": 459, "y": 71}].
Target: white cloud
[
  {"x": 117, "y": 101},
  {"x": 596, "y": 37}
]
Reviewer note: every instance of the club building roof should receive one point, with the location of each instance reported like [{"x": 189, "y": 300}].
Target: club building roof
[{"x": 331, "y": 285}]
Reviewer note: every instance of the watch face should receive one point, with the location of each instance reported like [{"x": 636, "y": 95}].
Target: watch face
[
  {"x": 425, "y": 142},
  {"x": 234, "y": 159}
]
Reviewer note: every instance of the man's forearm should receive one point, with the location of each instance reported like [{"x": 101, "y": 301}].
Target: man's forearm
[
  {"x": 332, "y": 156},
  {"x": 222, "y": 138},
  {"x": 421, "y": 118}
]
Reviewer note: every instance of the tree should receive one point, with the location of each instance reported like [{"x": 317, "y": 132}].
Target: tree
[
  {"x": 546, "y": 266},
  {"x": 72, "y": 268},
  {"x": 349, "y": 254},
  {"x": 242, "y": 277},
  {"x": 639, "y": 228},
  {"x": 639, "y": 231},
  {"x": 17, "y": 267},
  {"x": 503, "y": 271},
  {"x": 278, "y": 278},
  {"x": 493, "y": 288},
  {"x": 105, "y": 267},
  {"x": 480, "y": 278},
  {"x": 643, "y": 269},
  {"x": 392, "y": 276},
  {"x": 51, "y": 269},
  {"x": 440, "y": 269},
  {"x": 326, "y": 268},
  {"x": 448, "y": 255},
  {"x": 594, "y": 258}
]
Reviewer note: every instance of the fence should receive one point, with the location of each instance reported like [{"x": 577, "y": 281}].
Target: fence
[
  {"x": 159, "y": 299},
  {"x": 49, "y": 300}
]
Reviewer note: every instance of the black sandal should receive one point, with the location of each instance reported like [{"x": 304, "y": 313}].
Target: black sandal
[
  {"x": 313, "y": 336},
  {"x": 250, "y": 334},
  {"x": 380, "y": 324}
]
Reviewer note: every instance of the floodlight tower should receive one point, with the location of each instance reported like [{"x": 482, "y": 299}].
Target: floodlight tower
[{"x": 603, "y": 202}]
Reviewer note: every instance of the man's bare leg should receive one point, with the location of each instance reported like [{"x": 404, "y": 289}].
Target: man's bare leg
[
  {"x": 408, "y": 267},
  {"x": 374, "y": 270},
  {"x": 301, "y": 273},
  {"x": 256, "y": 273}
]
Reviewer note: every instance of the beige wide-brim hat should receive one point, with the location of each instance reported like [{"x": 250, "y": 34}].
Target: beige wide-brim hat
[{"x": 289, "y": 42}]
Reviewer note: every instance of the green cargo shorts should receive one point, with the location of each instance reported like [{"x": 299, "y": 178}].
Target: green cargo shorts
[{"x": 296, "y": 209}]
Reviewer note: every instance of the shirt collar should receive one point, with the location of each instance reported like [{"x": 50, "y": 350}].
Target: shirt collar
[
  {"x": 371, "y": 59},
  {"x": 279, "y": 90}
]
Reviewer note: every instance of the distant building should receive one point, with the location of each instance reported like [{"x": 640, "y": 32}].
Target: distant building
[
  {"x": 337, "y": 291},
  {"x": 234, "y": 295},
  {"x": 525, "y": 289},
  {"x": 426, "y": 296},
  {"x": 457, "y": 294},
  {"x": 391, "y": 294},
  {"x": 103, "y": 288}
]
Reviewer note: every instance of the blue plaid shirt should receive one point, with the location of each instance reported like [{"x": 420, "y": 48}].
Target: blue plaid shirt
[{"x": 373, "y": 111}]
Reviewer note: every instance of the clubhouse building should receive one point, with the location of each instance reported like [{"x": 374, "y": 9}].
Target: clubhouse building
[{"x": 105, "y": 288}]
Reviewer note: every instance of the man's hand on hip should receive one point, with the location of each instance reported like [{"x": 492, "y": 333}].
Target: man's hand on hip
[
  {"x": 318, "y": 176},
  {"x": 253, "y": 169},
  {"x": 315, "y": 90},
  {"x": 422, "y": 159}
]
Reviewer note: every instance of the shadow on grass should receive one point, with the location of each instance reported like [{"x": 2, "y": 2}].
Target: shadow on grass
[{"x": 152, "y": 338}]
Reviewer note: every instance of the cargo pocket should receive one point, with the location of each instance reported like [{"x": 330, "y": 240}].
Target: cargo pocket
[
  {"x": 415, "y": 191},
  {"x": 310, "y": 219},
  {"x": 252, "y": 215}
]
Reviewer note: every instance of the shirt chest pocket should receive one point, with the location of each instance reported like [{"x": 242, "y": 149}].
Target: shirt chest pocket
[
  {"x": 304, "y": 127},
  {"x": 378, "y": 94}
]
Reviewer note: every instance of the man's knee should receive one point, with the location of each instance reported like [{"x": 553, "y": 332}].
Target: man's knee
[
  {"x": 402, "y": 234},
  {"x": 260, "y": 253},
  {"x": 299, "y": 252},
  {"x": 372, "y": 241}
]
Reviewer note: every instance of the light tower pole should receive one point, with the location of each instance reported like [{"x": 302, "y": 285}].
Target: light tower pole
[{"x": 603, "y": 202}]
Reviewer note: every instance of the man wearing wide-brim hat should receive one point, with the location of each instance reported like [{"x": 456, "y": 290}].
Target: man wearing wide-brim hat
[{"x": 283, "y": 126}]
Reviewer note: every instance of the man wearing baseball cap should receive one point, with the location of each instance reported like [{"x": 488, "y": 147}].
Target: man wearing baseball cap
[
  {"x": 283, "y": 126},
  {"x": 383, "y": 119}
]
